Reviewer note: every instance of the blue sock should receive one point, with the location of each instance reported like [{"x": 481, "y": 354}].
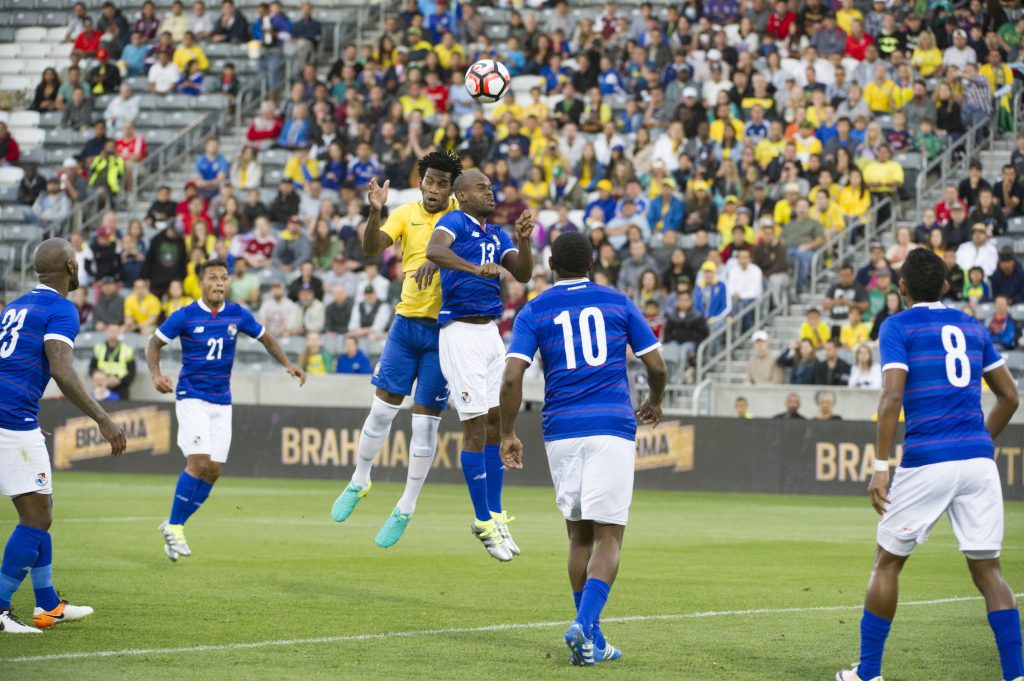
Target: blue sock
[
  {"x": 595, "y": 595},
  {"x": 475, "y": 472},
  {"x": 577, "y": 596},
  {"x": 495, "y": 477},
  {"x": 1006, "y": 626},
  {"x": 598, "y": 636},
  {"x": 201, "y": 494},
  {"x": 20, "y": 555},
  {"x": 42, "y": 575},
  {"x": 182, "y": 502},
  {"x": 873, "y": 632}
]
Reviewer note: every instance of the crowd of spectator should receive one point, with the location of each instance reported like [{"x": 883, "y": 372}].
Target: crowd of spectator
[{"x": 707, "y": 151}]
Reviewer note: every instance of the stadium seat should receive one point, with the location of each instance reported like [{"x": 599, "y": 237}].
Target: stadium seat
[
  {"x": 12, "y": 213},
  {"x": 24, "y": 119},
  {"x": 410, "y": 195},
  {"x": 56, "y": 33},
  {"x": 1015, "y": 225},
  {"x": 10, "y": 175},
  {"x": 985, "y": 310},
  {"x": 20, "y": 233},
  {"x": 11, "y": 66},
  {"x": 18, "y": 83},
  {"x": 547, "y": 217},
  {"x": 9, "y": 50},
  {"x": 274, "y": 158},
  {"x": 523, "y": 84},
  {"x": 50, "y": 119},
  {"x": 31, "y": 34},
  {"x": 910, "y": 161},
  {"x": 1017, "y": 312},
  {"x": 1014, "y": 362},
  {"x": 8, "y": 193}
]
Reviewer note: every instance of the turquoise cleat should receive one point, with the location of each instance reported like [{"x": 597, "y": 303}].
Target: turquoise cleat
[
  {"x": 609, "y": 654},
  {"x": 581, "y": 648},
  {"x": 393, "y": 528},
  {"x": 346, "y": 503}
]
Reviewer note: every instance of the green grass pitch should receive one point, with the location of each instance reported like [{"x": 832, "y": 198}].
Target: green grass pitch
[{"x": 269, "y": 565}]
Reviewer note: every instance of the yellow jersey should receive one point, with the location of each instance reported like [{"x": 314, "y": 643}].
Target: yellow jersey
[
  {"x": 413, "y": 226},
  {"x": 148, "y": 308}
]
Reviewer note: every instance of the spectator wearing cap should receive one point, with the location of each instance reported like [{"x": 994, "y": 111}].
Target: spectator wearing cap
[
  {"x": 51, "y": 208},
  {"x": 959, "y": 54},
  {"x": 784, "y": 209},
  {"x": 285, "y": 204},
  {"x": 803, "y": 236},
  {"x": 1008, "y": 279},
  {"x": 762, "y": 369},
  {"x": 666, "y": 212},
  {"x": 711, "y": 297},
  {"x": 978, "y": 252},
  {"x": 163, "y": 76},
  {"x": 104, "y": 78},
  {"x": 605, "y": 201}
]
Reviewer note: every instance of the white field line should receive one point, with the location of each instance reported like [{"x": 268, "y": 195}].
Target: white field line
[{"x": 417, "y": 633}]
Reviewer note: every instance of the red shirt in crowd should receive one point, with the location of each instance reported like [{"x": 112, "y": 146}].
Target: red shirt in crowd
[
  {"x": 131, "y": 147},
  {"x": 439, "y": 96},
  {"x": 88, "y": 42},
  {"x": 778, "y": 26},
  {"x": 942, "y": 211},
  {"x": 858, "y": 47}
]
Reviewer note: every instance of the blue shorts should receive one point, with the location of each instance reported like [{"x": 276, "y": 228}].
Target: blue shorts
[{"x": 410, "y": 354}]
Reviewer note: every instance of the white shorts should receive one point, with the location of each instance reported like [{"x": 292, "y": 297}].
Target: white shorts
[
  {"x": 473, "y": 362},
  {"x": 24, "y": 463},
  {"x": 204, "y": 428},
  {"x": 968, "y": 491},
  {"x": 593, "y": 477}
]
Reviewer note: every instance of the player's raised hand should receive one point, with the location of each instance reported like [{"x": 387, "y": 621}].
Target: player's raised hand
[
  {"x": 878, "y": 491},
  {"x": 378, "y": 195},
  {"x": 296, "y": 372},
  {"x": 114, "y": 434},
  {"x": 649, "y": 414},
  {"x": 524, "y": 225},
  {"x": 512, "y": 452},
  {"x": 163, "y": 384},
  {"x": 489, "y": 270},
  {"x": 424, "y": 274}
]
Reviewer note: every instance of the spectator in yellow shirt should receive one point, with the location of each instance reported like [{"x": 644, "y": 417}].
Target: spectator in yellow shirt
[
  {"x": 189, "y": 50},
  {"x": 927, "y": 58},
  {"x": 507, "y": 105},
  {"x": 846, "y": 14},
  {"x": 854, "y": 198},
  {"x": 537, "y": 107},
  {"x": 883, "y": 176},
  {"x": 828, "y": 213},
  {"x": 854, "y": 331},
  {"x": 722, "y": 118},
  {"x": 176, "y": 299},
  {"x": 766, "y": 150},
  {"x": 302, "y": 168},
  {"x": 141, "y": 309},
  {"x": 825, "y": 184},
  {"x": 415, "y": 100},
  {"x": 175, "y": 23},
  {"x": 879, "y": 92},
  {"x": 815, "y": 330},
  {"x": 807, "y": 144},
  {"x": 784, "y": 209},
  {"x": 448, "y": 49}
]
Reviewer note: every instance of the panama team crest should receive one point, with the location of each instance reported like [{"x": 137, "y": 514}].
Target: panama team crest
[
  {"x": 232, "y": 330},
  {"x": 465, "y": 398},
  {"x": 197, "y": 440},
  {"x": 41, "y": 480}
]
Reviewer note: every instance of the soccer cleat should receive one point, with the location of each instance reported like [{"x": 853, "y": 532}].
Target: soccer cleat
[
  {"x": 581, "y": 648},
  {"x": 9, "y": 624},
  {"x": 488, "y": 534},
  {"x": 851, "y": 675},
  {"x": 393, "y": 528},
  {"x": 63, "y": 613},
  {"x": 1019, "y": 678},
  {"x": 502, "y": 520},
  {"x": 346, "y": 503},
  {"x": 174, "y": 536},
  {"x": 607, "y": 654}
]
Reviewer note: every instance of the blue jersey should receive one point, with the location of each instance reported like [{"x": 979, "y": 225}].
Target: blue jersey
[
  {"x": 944, "y": 352},
  {"x": 208, "y": 347},
  {"x": 25, "y": 325},
  {"x": 464, "y": 294},
  {"x": 582, "y": 330}
]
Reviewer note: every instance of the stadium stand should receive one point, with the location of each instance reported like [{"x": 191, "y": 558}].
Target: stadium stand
[{"x": 676, "y": 137}]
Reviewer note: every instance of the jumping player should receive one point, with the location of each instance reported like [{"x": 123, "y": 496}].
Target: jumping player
[
  {"x": 209, "y": 331},
  {"x": 410, "y": 353},
  {"x": 933, "y": 361},
  {"x": 471, "y": 254},
  {"x": 37, "y": 335},
  {"x": 582, "y": 330}
]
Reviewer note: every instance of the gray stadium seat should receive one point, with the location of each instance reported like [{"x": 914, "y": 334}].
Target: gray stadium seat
[
  {"x": 1015, "y": 225},
  {"x": 1017, "y": 312}
]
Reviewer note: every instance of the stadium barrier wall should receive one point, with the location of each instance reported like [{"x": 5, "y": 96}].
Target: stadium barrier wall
[{"x": 695, "y": 454}]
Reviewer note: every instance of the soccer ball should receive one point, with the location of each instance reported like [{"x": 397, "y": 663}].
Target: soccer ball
[{"x": 487, "y": 81}]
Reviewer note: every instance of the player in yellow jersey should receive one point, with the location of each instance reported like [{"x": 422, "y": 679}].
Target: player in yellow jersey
[{"x": 411, "y": 351}]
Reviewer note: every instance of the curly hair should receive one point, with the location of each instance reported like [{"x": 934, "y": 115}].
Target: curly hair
[{"x": 444, "y": 161}]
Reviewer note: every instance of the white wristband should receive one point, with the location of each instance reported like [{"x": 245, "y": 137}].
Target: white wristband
[{"x": 881, "y": 465}]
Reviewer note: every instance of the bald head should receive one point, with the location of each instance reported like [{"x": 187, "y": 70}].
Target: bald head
[
  {"x": 56, "y": 264},
  {"x": 473, "y": 190},
  {"x": 469, "y": 179}
]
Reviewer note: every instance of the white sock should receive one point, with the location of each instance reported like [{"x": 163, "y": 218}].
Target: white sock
[
  {"x": 422, "y": 448},
  {"x": 371, "y": 439}
]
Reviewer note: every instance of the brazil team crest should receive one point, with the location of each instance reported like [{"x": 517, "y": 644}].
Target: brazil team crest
[{"x": 232, "y": 330}]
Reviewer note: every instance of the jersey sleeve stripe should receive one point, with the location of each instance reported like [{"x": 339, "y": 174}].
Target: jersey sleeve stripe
[
  {"x": 445, "y": 229},
  {"x": 516, "y": 355},
  {"x": 263, "y": 330},
  {"x": 994, "y": 365},
  {"x": 160, "y": 334},
  {"x": 59, "y": 337},
  {"x": 895, "y": 365},
  {"x": 640, "y": 353}
]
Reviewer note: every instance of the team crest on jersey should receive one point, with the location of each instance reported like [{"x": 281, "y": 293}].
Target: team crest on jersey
[
  {"x": 376, "y": 369},
  {"x": 197, "y": 440},
  {"x": 232, "y": 330},
  {"x": 41, "y": 480},
  {"x": 465, "y": 398},
  {"x": 496, "y": 240}
]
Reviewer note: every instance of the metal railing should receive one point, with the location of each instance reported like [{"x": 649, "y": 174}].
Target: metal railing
[
  {"x": 840, "y": 249},
  {"x": 718, "y": 347}
]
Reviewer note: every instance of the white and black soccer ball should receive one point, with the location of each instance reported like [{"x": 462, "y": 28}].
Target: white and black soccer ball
[{"x": 487, "y": 81}]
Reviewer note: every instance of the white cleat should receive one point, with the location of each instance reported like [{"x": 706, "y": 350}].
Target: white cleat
[
  {"x": 490, "y": 537},
  {"x": 851, "y": 675},
  {"x": 502, "y": 520},
  {"x": 9, "y": 624},
  {"x": 174, "y": 536},
  {"x": 63, "y": 613}
]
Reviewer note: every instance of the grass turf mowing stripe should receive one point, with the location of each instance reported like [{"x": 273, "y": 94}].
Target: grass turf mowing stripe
[{"x": 456, "y": 630}]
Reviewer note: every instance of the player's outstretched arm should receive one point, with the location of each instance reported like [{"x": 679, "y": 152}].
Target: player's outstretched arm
[
  {"x": 889, "y": 406},
  {"x": 439, "y": 252},
  {"x": 160, "y": 382},
  {"x": 274, "y": 348},
  {"x": 649, "y": 412},
  {"x": 510, "y": 401},
  {"x": 62, "y": 368},
  {"x": 374, "y": 240},
  {"x": 1005, "y": 389},
  {"x": 521, "y": 264}
]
